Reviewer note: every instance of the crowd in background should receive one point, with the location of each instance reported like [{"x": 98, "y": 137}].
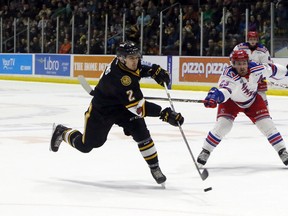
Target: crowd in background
[{"x": 44, "y": 13}]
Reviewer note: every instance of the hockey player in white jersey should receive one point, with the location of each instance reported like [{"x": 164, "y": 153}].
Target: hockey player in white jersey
[
  {"x": 238, "y": 92},
  {"x": 258, "y": 53}
]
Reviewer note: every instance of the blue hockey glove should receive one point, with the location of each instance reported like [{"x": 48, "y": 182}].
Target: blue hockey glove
[{"x": 213, "y": 98}]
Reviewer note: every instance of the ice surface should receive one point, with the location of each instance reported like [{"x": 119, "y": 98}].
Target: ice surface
[{"x": 247, "y": 176}]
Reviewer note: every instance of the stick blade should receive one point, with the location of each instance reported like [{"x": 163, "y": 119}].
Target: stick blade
[
  {"x": 85, "y": 84},
  {"x": 204, "y": 175}
]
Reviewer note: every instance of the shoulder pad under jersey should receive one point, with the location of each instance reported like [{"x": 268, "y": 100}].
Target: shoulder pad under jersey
[
  {"x": 255, "y": 67},
  {"x": 244, "y": 45},
  {"x": 261, "y": 48}
]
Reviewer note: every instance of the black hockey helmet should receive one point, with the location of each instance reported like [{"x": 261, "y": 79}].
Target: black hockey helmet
[{"x": 127, "y": 48}]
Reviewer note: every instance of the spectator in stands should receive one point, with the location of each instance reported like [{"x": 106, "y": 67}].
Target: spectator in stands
[
  {"x": 231, "y": 28},
  {"x": 44, "y": 9},
  {"x": 35, "y": 46},
  {"x": 22, "y": 47},
  {"x": 5, "y": 12},
  {"x": 173, "y": 17},
  {"x": 207, "y": 13},
  {"x": 152, "y": 47},
  {"x": 213, "y": 34},
  {"x": 163, "y": 4},
  {"x": 65, "y": 48},
  {"x": 253, "y": 24},
  {"x": 281, "y": 11},
  {"x": 260, "y": 22},
  {"x": 25, "y": 11},
  {"x": 171, "y": 37},
  {"x": 189, "y": 50},
  {"x": 152, "y": 9},
  {"x": 232, "y": 42},
  {"x": 91, "y": 6},
  {"x": 96, "y": 47},
  {"x": 43, "y": 21},
  {"x": 51, "y": 45},
  {"x": 242, "y": 25},
  {"x": 98, "y": 9},
  {"x": 190, "y": 14},
  {"x": 213, "y": 48},
  {"x": 131, "y": 16},
  {"x": 146, "y": 18},
  {"x": 81, "y": 47},
  {"x": 224, "y": 18}
]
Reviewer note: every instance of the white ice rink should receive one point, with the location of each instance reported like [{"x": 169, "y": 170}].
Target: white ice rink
[{"x": 247, "y": 176}]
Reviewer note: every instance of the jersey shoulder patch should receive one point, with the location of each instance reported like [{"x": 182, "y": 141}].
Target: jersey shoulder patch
[
  {"x": 126, "y": 80},
  {"x": 231, "y": 73}
]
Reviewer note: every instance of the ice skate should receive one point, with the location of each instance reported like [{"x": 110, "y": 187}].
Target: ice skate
[
  {"x": 284, "y": 156},
  {"x": 159, "y": 177},
  {"x": 57, "y": 137},
  {"x": 203, "y": 157}
]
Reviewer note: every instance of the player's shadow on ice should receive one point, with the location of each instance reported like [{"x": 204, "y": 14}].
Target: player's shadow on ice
[
  {"x": 246, "y": 169},
  {"x": 118, "y": 185}
]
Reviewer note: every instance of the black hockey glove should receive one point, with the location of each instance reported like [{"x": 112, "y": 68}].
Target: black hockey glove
[
  {"x": 126, "y": 132},
  {"x": 171, "y": 117},
  {"x": 159, "y": 75}
]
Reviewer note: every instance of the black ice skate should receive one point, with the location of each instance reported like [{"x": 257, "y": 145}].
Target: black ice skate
[
  {"x": 203, "y": 157},
  {"x": 159, "y": 177},
  {"x": 57, "y": 137},
  {"x": 284, "y": 156}
]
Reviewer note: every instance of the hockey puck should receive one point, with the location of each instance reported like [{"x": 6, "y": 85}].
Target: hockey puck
[{"x": 207, "y": 189}]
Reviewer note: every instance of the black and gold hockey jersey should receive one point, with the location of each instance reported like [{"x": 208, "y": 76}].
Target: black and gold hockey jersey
[{"x": 119, "y": 89}]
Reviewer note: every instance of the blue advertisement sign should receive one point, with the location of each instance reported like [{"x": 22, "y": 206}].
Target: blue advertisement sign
[
  {"x": 15, "y": 64},
  {"x": 55, "y": 65},
  {"x": 169, "y": 69}
]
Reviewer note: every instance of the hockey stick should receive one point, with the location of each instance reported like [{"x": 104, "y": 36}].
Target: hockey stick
[
  {"x": 276, "y": 84},
  {"x": 205, "y": 173},
  {"x": 89, "y": 90},
  {"x": 85, "y": 85},
  {"x": 176, "y": 99}
]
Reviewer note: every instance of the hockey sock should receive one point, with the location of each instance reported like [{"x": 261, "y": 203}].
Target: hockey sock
[{"x": 148, "y": 151}]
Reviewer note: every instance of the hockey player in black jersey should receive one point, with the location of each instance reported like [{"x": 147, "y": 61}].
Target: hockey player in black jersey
[{"x": 118, "y": 99}]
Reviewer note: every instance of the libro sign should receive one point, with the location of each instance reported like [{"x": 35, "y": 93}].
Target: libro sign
[{"x": 56, "y": 65}]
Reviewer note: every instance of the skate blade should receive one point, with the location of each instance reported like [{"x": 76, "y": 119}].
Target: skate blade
[
  {"x": 53, "y": 129},
  {"x": 163, "y": 186}
]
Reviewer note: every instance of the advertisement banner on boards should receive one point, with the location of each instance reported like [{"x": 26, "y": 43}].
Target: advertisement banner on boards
[
  {"x": 15, "y": 64},
  {"x": 202, "y": 69},
  {"x": 159, "y": 60},
  {"x": 90, "y": 66},
  {"x": 53, "y": 65}
]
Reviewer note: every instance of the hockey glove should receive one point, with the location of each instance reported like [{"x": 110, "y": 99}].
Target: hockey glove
[
  {"x": 214, "y": 96},
  {"x": 126, "y": 132},
  {"x": 171, "y": 117},
  {"x": 262, "y": 86},
  {"x": 159, "y": 75}
]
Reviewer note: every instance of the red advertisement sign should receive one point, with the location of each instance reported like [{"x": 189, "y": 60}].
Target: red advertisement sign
[{"x": 201, "y": 69}]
